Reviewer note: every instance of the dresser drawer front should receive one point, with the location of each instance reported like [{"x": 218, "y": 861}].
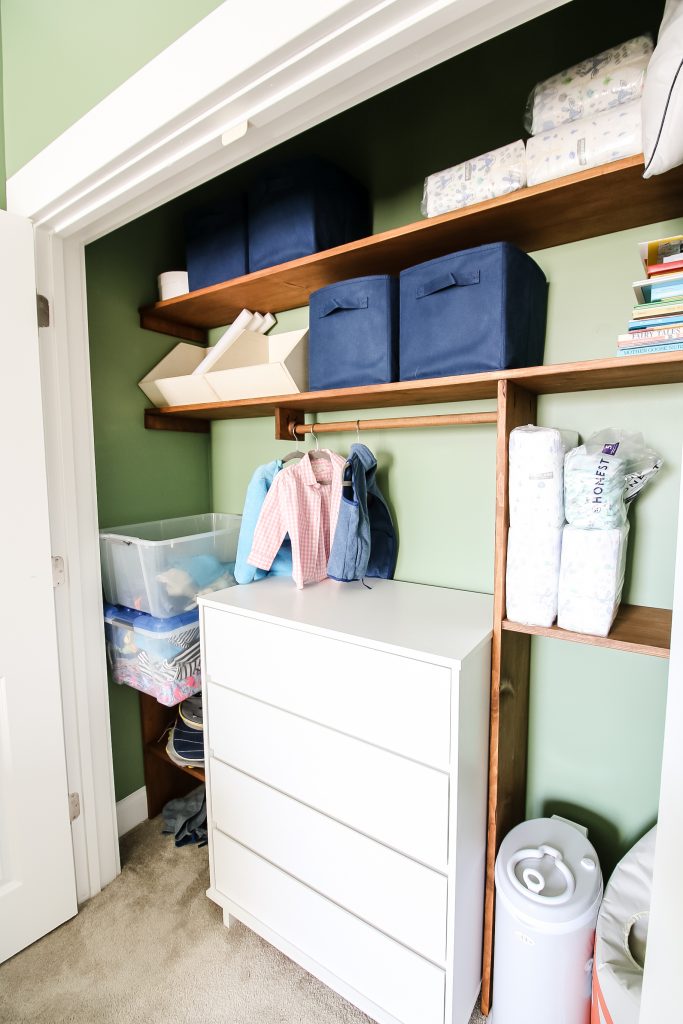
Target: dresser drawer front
[
  {"x": 389, "y": 798},
  {"x": 382, "y": 970},
  {"x": 397, "y": 703},
  {"x": 404, "y": 899}
]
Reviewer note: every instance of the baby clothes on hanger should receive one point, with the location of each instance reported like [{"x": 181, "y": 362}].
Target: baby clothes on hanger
[
  {"x": 365, "y": 540},
  {"x": 259, "y": 485},
  {"x": 304, "y": 502}
]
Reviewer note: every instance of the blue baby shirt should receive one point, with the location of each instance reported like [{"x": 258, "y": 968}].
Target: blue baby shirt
[{"x": 259, "y": 486}]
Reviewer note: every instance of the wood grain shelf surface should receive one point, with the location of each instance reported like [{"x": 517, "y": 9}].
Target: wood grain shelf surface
[
  {"x": 159, "y": 750},
  {"x": 589, "y": 375},
  {"x": 637, "y": 629},
  {"x": 593, "y": 202}
]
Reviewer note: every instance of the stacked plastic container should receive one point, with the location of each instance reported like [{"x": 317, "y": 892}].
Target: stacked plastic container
[
  {"x": 152, "y": 575},
  {"x": 588, "y": 114},
  {"x": 536, "y": 522}
]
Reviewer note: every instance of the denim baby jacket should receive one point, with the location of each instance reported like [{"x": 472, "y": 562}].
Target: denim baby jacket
[{"x": 365, "y": 540}]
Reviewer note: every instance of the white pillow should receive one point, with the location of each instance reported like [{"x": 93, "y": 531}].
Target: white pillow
[{"x": 663, "y": 96}]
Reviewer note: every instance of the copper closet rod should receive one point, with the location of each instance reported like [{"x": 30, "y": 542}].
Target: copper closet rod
[{"x": 460, "y": 419}]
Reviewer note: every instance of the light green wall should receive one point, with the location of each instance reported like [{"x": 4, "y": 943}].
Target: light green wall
[{"x": 62, "y": 58}]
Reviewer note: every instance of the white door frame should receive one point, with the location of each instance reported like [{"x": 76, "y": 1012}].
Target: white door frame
[{"x": 183, "y": 119}]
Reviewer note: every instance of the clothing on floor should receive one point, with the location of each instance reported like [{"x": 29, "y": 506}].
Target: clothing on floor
[
  {"x": 303, "y": 502},
  {"x": 365, "y": 540},
  {"x": 185, "y": 817},
  {"x": 259, "y": 485}
]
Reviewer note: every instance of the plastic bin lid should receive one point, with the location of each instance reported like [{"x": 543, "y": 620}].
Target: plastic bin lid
[
  {"x": 548, "y": 872},
  {"x": 118, "y": 615}
]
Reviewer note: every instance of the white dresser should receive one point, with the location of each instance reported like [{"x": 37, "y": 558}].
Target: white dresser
[{"x": 347, "y": 739}]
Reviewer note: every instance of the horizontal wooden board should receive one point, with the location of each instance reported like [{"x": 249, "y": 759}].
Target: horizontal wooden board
[
  {"x": 593, "y": 202},
  {"x": 636, "y": 628},
  {"x": 589, "y": 375}
]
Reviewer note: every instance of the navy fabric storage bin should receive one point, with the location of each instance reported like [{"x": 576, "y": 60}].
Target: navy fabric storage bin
[
  {"x": 216, "y": 243},
  {"x": 476, "y": 310},
  {"x": 303, "y": 207},
  {"x": 353, "y": 333}
]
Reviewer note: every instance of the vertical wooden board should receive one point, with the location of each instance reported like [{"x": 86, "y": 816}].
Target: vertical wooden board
[
  {"x": 509, "y": 681},
  {"x": 163, "y": 780}
]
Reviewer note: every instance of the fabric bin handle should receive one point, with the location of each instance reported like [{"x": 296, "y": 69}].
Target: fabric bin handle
[
  {"x": 450, "y": 280},
  {"x": 332, "y": 305}
]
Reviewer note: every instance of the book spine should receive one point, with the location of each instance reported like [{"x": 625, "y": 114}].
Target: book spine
[
  {"x": 653, "y": 336},
  {"x": 649, "y": 350}
]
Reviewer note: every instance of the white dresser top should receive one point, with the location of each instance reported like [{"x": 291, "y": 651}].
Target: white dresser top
[{"x": 408, "y": 618}]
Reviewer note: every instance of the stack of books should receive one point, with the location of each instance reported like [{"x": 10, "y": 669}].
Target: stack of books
[{"x": 657, "y": 323}]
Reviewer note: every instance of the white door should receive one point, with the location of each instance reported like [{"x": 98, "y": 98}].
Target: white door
[{"x": 37, "y": 887}]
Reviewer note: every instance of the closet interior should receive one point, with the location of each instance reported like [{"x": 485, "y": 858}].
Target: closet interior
[{"x": 563, "y": 705}]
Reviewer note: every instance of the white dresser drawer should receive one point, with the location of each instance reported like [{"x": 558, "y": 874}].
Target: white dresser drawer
[
  {"x": 387, "y": 797},
  {"x": 401, "y": 982},
  {"x": 397, "y": 703},
  {"x": 404, "y": 899}
]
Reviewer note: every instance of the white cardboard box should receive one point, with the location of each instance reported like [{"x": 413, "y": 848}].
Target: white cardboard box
[{"x": 254, "y": 366}]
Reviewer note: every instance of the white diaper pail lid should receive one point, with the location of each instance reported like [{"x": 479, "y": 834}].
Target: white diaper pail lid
[{"x": 548, "y": 875}]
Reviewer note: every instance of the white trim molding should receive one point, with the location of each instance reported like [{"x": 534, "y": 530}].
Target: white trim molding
[
  {"x": 131, "y": 811},
  {"x": 162, "y": 132},
  {"x": 248, "y": 76}
]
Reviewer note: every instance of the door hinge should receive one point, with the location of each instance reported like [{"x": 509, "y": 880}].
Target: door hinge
[
  {"x": 74, "y": 806},
  {"x": 58, "y": 571},
  {"x": 43, "y": 311}
]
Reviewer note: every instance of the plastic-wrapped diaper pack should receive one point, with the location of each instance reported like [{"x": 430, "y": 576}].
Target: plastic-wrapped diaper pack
[
  {"x": 536, "y": 517},
  {"x": 537, "y": 474},
  {"x": 591, "y": 578},
  {"x": 604, "y": 475},
  {"x": 603, "y": 82},
  {"x": 598, "y": 139},
  {"x": 487, "y": 176},
  {"x": 533, "y": 573}
]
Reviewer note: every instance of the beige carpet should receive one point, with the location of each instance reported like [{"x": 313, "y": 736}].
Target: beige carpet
[{"x": 152, "y": 949}]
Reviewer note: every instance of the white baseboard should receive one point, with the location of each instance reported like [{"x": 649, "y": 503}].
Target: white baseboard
[{"x": 131, "y": 811}]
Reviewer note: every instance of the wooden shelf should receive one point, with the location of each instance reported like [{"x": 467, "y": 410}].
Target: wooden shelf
[
  {"x": 593, "y": 202},
  {"x": 636, "y": 628},
  {"x": 590, "y": 375},
  {"x": 159, "y": 750}
]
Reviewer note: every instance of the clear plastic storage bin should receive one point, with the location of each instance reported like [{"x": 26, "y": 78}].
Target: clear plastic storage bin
[
  {"x": 160, "y": 657},
  {"x": 161, "y": 567}
]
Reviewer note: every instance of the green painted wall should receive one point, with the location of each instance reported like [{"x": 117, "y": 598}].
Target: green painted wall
[
  {"x": 597, "y": 717},
  {"x": 60, "y": 59}
]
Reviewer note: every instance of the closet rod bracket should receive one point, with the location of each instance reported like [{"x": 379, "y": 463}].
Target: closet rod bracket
[{"x": 287, "y": 422}]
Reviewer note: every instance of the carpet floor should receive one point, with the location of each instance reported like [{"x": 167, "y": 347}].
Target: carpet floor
[{"x": 152, "y": 949}]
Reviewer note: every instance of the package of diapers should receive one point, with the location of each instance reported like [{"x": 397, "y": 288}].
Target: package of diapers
[
  {"x": 533, "y": 572},
  {"x": 589, "y": 142},
  {"x": 599, "y": 83},
  {"x": 536, "y": 478},
  {"x": 591, "y": 578},
  {"x": 485, "y": 177},
  {"x": 604, "y": 475}
]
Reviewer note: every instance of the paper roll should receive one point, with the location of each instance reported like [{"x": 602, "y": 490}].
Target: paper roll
[
  {"x": 591, "y": 578},
  {"x": 172, "y": 283},
  {"x": 533, "y": 571}
]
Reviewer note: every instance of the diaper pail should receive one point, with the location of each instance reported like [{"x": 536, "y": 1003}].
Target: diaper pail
[{"x": 548, "y": 888}]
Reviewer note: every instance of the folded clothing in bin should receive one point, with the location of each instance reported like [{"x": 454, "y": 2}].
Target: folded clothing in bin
[
  {"x": 160, "y": 657},
  {"x": 353, "y": 333},
  {"x": 472, "y": 311},
  {"x": 303, "y": 207},
  {"x": 216, "y": 243}
]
